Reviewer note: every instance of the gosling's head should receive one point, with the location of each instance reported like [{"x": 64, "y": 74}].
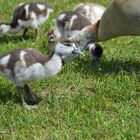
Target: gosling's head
[
  {"x": 95, "y": 50},
  {"x": 53, "y": 35},
  {"x": 66, "y": 47}
]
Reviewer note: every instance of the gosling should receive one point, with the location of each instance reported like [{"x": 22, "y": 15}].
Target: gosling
[
  {"x": 25, "y": 16},
  {"x": 24, "y": 65}
]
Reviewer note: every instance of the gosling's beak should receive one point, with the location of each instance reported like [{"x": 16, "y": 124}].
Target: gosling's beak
[{"x": 77, "y": 51}]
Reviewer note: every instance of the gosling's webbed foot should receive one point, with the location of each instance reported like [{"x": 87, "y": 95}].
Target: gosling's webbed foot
[
  {"x": 32, "y": 100},
  {"x": 29, "y": 107},
  {"x": 24, "y": 104}
]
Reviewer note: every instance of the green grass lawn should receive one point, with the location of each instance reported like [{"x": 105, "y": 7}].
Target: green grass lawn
[{"x": 84, "y": 101}]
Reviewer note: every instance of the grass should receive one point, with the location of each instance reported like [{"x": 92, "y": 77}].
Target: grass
[{"x": 84, "y": 101}]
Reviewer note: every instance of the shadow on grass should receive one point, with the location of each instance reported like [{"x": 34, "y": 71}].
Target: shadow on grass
[
  {"x": 14, "y": 38},
  {"x": 86, "y": 67},
  {"x": 8, "y": 94}
]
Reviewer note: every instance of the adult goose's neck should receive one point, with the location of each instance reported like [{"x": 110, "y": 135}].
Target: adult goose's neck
[{"x": 87, "y": 35}]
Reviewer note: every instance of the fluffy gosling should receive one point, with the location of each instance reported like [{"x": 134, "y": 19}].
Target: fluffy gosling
[
  {"x": 25, "y": 16},
  {"x": 24, "y": 65}
]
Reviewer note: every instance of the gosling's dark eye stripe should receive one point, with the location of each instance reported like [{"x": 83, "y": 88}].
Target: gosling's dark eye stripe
[{"x": 66, "y": 43}]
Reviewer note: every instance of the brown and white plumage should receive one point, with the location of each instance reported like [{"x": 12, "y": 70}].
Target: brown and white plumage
[
  {"x": 68, "y": 24},
  {"x": 120, "y": 19},
  {"x": 93, "y": 12},
  {"x": 24, "y": 65},
  {"x": 25, "y": 16}
]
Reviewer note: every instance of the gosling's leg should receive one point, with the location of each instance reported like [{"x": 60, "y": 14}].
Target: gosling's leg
[
  {"x": 37, "y": 33},
  {"x": 24, "y": 104},
  {"x": 30, "y": 95},
  {"x": 24, "y": 32}
]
